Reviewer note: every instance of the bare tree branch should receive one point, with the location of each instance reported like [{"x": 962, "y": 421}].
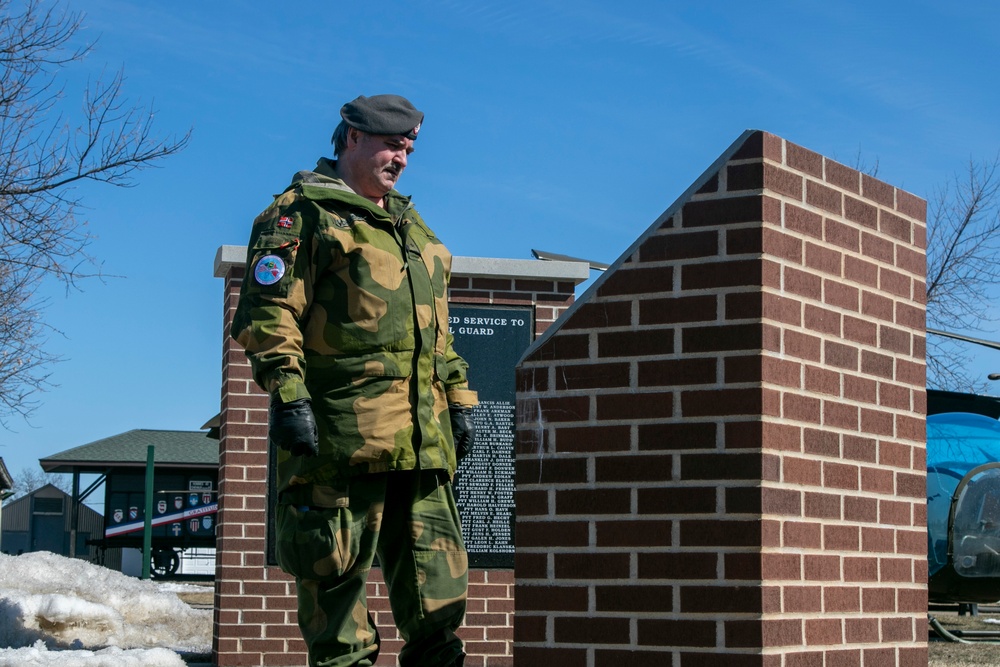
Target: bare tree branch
[
  {"x": 963, "y": 248},
  {"x": 27, "y": 480},
  {"x": 860, "y": 164},
  {"x": 42, "y": 155}
]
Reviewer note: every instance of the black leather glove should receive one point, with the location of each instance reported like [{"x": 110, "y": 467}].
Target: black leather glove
[
  {"x": 293, "y": 427},
  {"x": 463, "y": 429}
]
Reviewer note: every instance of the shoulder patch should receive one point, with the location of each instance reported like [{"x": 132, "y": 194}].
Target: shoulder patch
[{"x": 269, "y": 270}]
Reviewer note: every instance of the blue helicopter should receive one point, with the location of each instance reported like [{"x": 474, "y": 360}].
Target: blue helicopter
[
  {"x": 963, "y": 494},
  {"x": 963, "y": 507}
]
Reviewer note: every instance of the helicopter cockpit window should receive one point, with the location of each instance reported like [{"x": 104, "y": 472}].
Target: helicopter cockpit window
[{"x": 976, "y": 529}]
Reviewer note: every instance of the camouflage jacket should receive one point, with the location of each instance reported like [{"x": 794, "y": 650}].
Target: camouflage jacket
[{"x": 346, "y": 303}]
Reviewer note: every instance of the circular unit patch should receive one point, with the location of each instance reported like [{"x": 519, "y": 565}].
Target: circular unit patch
[{"x": 269, "y": 269}]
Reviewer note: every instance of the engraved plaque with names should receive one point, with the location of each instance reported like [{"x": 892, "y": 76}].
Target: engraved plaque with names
[{"x": 491, "y": 339}]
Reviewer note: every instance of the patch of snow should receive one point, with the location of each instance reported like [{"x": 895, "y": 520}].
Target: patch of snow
[
  {"x": 39, "y": 656},
  {"x": 57, "y": 610},
  {"x": 177, "y": 587}
]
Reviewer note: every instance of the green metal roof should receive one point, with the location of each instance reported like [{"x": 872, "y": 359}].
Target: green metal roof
[{"x": 172, "y": 448}]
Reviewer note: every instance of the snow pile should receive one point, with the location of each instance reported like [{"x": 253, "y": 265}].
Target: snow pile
[
  {"x": 49, "y": 604},
  {"x": 39, "y": 656}
]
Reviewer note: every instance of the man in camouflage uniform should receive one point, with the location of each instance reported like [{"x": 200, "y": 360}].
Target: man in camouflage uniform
[{"x": 344, "y": 315}]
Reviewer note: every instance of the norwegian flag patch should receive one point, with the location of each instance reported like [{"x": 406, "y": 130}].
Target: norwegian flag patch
[{"x": 285, "y": 222}]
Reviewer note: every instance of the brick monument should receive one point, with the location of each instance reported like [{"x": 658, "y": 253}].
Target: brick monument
[{"x": 720, "y": 445}]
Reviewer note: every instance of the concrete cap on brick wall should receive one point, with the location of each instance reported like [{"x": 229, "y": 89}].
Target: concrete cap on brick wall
[
  {"x": 228, "y": 256},
  {"x": 490, "y": 267}
]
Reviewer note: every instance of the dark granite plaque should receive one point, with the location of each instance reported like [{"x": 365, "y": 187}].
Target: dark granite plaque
[{"x": 491, "y": 339}]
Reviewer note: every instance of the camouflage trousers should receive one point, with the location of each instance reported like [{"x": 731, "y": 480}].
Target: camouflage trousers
[{"x": 409, "y": 519}]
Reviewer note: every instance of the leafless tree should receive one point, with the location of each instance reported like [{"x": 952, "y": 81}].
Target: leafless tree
[
  {"x": 27, "y": 480},
  {"x": 44, "y": 152},
  {"x": 963, "y": 249}
]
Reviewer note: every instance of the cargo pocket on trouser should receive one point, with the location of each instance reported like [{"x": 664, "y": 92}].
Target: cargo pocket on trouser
[
  {"x": 313, "y": 542},
  {"x": 442, "y": 564}
]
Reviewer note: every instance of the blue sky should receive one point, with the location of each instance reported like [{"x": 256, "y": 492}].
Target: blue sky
[{"x": 561, "y": 125}]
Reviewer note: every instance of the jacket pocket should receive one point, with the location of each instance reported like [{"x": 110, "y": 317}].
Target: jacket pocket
[
  {"x": 313, "y": 542},
  {"x": 440, "y": 368},
  {"x": 329, "y": 372}
]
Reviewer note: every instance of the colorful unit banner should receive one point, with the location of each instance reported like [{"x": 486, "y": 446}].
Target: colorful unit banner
[{"x": 193, "y": 513}]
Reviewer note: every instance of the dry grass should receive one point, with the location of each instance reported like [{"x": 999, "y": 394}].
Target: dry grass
[
  {"x": 983, "y": 652},
  {"x": 199, "y": 598}
]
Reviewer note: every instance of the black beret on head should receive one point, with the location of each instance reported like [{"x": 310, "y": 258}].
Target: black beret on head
[{"x": 383, "y": 114}]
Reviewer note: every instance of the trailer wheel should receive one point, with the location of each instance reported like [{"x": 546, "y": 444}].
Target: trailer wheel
[{"x": 164, "y": 563}]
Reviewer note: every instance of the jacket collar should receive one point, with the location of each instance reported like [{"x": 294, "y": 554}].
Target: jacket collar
[{"x": 324, "y": 182}]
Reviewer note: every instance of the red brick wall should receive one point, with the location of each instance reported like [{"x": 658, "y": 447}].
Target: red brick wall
[
  {"x": 720, "y": 451},
  {"x": 255, "y": 618}
]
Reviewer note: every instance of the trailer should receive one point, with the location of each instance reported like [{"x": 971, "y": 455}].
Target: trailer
[
  {"x": 184, "y": 515},
  {"x": 185, "y": 491}
]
